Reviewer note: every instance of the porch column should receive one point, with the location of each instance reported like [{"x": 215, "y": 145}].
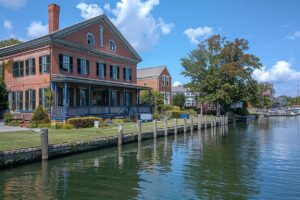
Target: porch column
[
  {"x": 124, "y": 97},
  {"x": 53, "y": 108},
  {"x": 89, "y": 100},
  {"x": 65, "y": 99},
  {"x": 137, "y": 100},
  {"x": 109, "y": 99}
]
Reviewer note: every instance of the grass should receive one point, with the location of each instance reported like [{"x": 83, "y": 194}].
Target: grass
[{"x": 27, "y": 139}]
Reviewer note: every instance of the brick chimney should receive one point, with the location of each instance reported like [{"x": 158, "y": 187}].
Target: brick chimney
[{"x": 53, "y": 15}]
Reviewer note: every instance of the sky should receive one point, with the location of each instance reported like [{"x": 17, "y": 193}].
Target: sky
[{"x": 164, "y": 31}]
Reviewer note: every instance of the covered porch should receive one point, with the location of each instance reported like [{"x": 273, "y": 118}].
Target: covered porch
[{"x": 79, "y": 97}]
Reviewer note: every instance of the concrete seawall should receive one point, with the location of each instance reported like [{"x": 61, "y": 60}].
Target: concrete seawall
[{"x": 26, "y": 155}]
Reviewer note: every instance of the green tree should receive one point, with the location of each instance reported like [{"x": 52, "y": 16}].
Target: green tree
[
  {"x": 221, "y": 71},
  {"x": 3, "y": 96},
  {"x": 156, "y": 99},
  {"x": 9, "y": 42},
  {"x": 178, "y": 100}
]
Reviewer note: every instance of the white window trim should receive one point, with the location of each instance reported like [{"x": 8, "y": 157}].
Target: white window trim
[
  {"x": 87, "y": 39},
  {"x": 114, "y": 50}
]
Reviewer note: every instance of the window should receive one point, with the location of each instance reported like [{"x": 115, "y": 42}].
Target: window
[
  {"x": 167, "y": 98},
  {"x": 30, "y": 99},
  {"x": 82, "y": 97},
  {"x": 115, "y": 98},
  {"x": 44, "y": 64},
  {"x": 100, "y": 97},
  {"x": 128, "y": 98},
  {"x": 167, "y": 80},
  {"x": 114, "y": 71},
  {"x": 101, "y": 70},
  {"x": 83, "y": 66},
  {"x": 15, "y": 100},
  {"x": 30, "y": 67},
  {"x": 101, "y": 36},
  {"x": 112, "y": 45},
  {"x": 90, "y": 39},
  {"x": 66, "y": 63},
  {"x": 163, "y": 80},
  {"x": 127, "y": 74},
  {"x": 18, "y": 69},
  {"x": 42, "y": 97}
]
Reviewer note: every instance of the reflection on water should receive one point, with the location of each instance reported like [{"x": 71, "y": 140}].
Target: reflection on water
[{"x": 260, "y": 160}]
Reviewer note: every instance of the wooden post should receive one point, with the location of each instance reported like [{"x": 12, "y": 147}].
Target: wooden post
[
  {"x": 44, "y": 141},
  {"x": 166, "y": 127},
  {"x": 154, "y": 128},
  {"x": 199, "y": 122},
  {"x": 192, "y": 124},
  {"x": 205, "y": 122},
  {"x": 175, "y": 126},
  {"x": 139, "y": 130},
  {"x": 120, "y": 135},
  {"x": 185, "y": 125}
]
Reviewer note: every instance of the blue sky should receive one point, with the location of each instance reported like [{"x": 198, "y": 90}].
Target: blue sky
[{"x": 163, "y": 31}]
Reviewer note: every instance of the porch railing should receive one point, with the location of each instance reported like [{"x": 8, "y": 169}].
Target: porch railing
[{"x": 99, "y": 110}]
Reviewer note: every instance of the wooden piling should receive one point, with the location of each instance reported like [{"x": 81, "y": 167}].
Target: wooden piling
[
  {"x": 44, "y": 143},
  {"x": 199, "y": 122},
  {"x": 166, "y": 127},
  {"x": 155, "y": 128},
  {"x": 120, "y": 136},
  {"x": 175, "y": 126},
  {"x": 205, "y": 122},
  {"x": 139, "y": 130},
  {"x": 185, "y": 125},
  {"x": 192, "y": 124}
]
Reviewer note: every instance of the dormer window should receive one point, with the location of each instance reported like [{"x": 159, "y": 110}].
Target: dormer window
[
  {"x": 112, "y": 45},
  {"x": 101, "y": 36},
  {"x": 90, "y": 39}
]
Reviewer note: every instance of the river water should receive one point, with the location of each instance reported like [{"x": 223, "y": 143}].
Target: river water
[{"x": 260, "y": 160}]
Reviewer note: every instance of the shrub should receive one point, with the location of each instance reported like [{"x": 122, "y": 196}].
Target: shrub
[
  {"x": 241, "y": 111},
  {"x": 33, "y": 125},
  {"x": 7, "y": 117},
  {"x": 156, "y": 115},
  {"x": 104, "y": 123},
  {"x": 67, "y": 126},
  {"x": 82, "y": 122},
  {"x": 175, "y": 113},
  {"x": 13, "y": 123},
  {"x": 191, "y": 112},
  {"x": 40, "y": 116},
  {"x": 166, "y": 107},
  {"x": 176, "y": 108}
]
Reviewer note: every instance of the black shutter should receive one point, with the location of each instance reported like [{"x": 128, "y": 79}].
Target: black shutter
[
  {"x": 15, "y": 69},
  {"x": 40, "y": 64},
  {"x": 27, "y": 67},
  {"x": 61, "y": 61},
  {"x": 21, "y": 100},
  {"x": 48, "y": 63},
  {"x": 87, "y": 66},
  {"x": 104, "y": 65},
  {"x": 124, "y": 75},
  {"x": 13, "y": 94},
  {"x": 130, "y": 74},
  {"x": 21, "y": 70},
  {"x": 26, "y": 99},
  {"x": 33, "y": 99},
  {"x": 97, "y": 69},
  {"x": 118, "y": 72},
  {"x": 78, "y": 66},
  {"x": 33, "y": 69},
  {"x": 40, "y": 97},
  {"x": 71, "y": 64},
  {"x": 111, "y": 71}
]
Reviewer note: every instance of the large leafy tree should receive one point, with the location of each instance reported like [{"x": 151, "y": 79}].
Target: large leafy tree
[
  {"x": 154, "y": 98},
  {"x": 9, "y": 42},
  {"x": 221, "y": 71},
  {"x": 179, "y": 100},
  {"x": 3, "y": 96}
]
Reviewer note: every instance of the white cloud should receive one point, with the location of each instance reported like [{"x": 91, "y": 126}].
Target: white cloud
[
  {"x": 281, "y": 72},
  {"x": 89, "y": 10},
  {"x": 15, "y": 4},
  {"x": 176, "y": 83},
  {"x": 195, "y": 35},
  {"x": 134, "y": 19},
  {"x": 294, "y": 36},
  {"x": 7, "y": 25},
  {"x": 37, "y": 29}
]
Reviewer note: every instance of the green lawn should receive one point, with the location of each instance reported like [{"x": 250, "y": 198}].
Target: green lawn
[{"x": 25, "y": 139}]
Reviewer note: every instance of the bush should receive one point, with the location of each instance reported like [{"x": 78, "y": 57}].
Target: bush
[
  {"x": 82, "y": 122},
  {"x": 166, "y": 107},
  {"x": 104, "y": 123},
  {"x": 191, "y": 112},
  {"x": 7, "y": 117},
  {"x": 40, "y": 116},
  {"x": 156, "y": 116},
  {"x": 241, "y": 111},
  {"x": 176, "y": 108},
  {"x": 67, "y": 126},
  {"x": 13, "y": 123}
]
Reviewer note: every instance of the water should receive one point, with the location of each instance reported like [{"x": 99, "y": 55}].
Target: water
[{"x": 260, "y": 160}]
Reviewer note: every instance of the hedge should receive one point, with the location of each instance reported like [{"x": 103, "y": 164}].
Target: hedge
[{"x": 82, "y": 122}]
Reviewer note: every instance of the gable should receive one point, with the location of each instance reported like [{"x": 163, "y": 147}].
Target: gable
[{"x": 80, "y": 37}]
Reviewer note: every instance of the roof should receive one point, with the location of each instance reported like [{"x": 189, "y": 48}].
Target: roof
[
  {"x": 50, "y": 38},
  {"x": 150, "y": 72},
  {"x": 179, "y": 89}
]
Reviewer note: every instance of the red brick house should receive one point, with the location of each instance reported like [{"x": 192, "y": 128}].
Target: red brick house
[
  {"x": 158, "y": 78},
  {"x": 89, "y": 67}
]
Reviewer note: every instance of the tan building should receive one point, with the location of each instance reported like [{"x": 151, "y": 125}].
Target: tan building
[{"x": 158, "y": 78}]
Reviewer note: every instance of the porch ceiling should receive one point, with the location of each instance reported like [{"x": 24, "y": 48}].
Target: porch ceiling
[{"x": 73, "y": 79}]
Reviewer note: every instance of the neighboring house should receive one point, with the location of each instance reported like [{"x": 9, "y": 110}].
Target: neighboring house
[
  {"x": 158, "y": 78},
  {"x": 190, "y": 97},
  {"x": 90, "y": 68}
]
